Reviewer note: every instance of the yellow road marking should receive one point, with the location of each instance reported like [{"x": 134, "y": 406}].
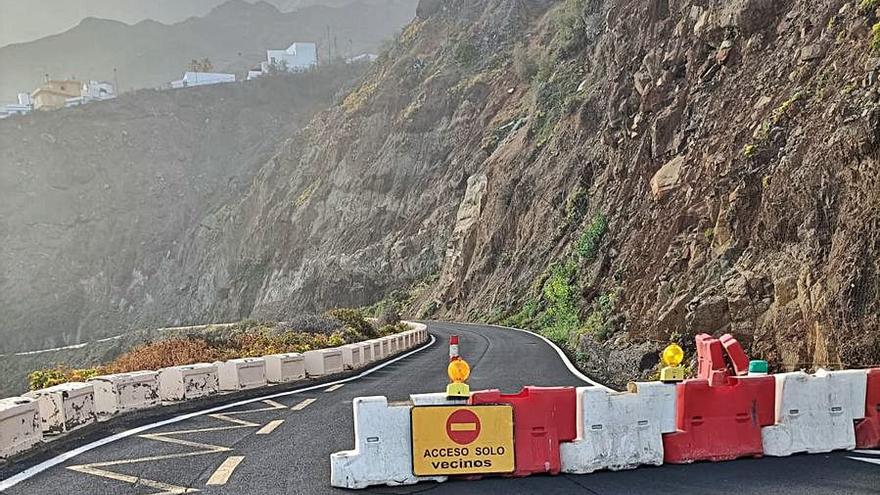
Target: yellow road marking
[
  {"x": 334, "y": 387},
  {"x": 222, "y": 474},
  {"x": 225, "y": 417},
  {"x": 270, "y": 427},
  {"x": 302, "y": 405},
  {"x": 275, "y": 405},
  {"x": 134, "y": 480}
]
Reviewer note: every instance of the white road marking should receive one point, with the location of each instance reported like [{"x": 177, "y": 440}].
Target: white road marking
[
  {"x": 275, "y": 405},
  {"x": 568, "y": 364},
  {"x": 71, "y": 454},
  {"x": 869, "y": 452},
  {"x": 224, "y": 472},
  {"x": 334, "y": 387},
  {"x": 270, "y": 427},
  {"x": 865, "y": 459},
  {"x": 302, "y": 405}
]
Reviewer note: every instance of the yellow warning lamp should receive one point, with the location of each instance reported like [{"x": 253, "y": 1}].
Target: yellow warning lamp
[
  {"x": 458, "y": 371},
  {"x": 672, "y": 371}
]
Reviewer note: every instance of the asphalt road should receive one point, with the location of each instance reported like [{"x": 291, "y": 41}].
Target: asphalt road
[{"x": 282, "y": 446}]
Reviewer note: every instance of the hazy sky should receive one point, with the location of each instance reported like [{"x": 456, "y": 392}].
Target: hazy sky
[{"x": 26, "y": 20}]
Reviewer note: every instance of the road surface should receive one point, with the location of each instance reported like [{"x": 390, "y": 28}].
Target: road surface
[{"x": 282, "y": 445}]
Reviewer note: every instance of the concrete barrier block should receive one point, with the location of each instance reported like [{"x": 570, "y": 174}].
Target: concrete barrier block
[
  {"x": 20, "y": 425},
  {"x": 188, "y": 382},
  {"x": 378, "y": 353},
  {"x": 124, "y": 392},
  {"x": 387, "y": 346},
  {"x": 383, "y": 447},
  {"x": 351, "y": 356},
  {"x": 366, "y": 352},
  {"x": 323, "y": 362},
  {"x": 815, "y": 413},
  {"x": 619, "y": 430},
  {"x": 283, "y": 368},
  {"x": 402, "y": 342},
  {"x": 65, "y": 407},
  {"x": 241, "y": 374}
]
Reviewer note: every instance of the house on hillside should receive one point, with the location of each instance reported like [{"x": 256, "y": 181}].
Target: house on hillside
[
  {"x": 254, "y": 73},
  {"x": 52, "y": 95},
  {"x": 299, "y": 57},
  {"x": 362, "y": 58},
  {"x": 23, "y": 107},
  {"x": 92, "y": 91},
  {"x": 191, "y": 79}
]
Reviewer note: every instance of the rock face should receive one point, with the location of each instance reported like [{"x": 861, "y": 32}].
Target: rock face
[{"x": 480, "y": 148}]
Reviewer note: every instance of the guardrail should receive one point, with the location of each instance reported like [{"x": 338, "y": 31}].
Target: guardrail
[{"x": 45, "y": 414}]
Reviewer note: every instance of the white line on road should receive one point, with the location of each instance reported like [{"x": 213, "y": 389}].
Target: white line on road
[
  {"x": 869, "y": 452},
  {"x": 224, "y": 472},
  {"x": 270, "y": 427},
  {"x": 62, "y": 458},
  {"x": 335, "y": 387},
  {"x": 302, "y": 405},
  {"x": 865, "y": 459}
]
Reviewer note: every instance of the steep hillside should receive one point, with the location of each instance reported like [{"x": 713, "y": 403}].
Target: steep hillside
[
  {"x": 614, "y": 173},
  {"x": 93, "y": 199},
  {"x": 234, "y": 36}
]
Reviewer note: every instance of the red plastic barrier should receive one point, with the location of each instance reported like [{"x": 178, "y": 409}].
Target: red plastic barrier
[
  {"x": 868, "y": 429},
  {"x": 720, "y": 422},
  {"x": 709, "y": 355},
  {"x": 542, "y": 417},
  {"x": 737, "y": 355}
]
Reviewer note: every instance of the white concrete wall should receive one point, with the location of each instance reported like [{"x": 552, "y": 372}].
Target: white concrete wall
[
  {"x": 815, "y": 413},
  {"x": 65, "y": 407},
  {"x": 322, "y": 362},
  {"x": 351, "y": 356},
  {"x": 20, "y": 425},
  {"x": 378, "y": 353},
  {"x": 188, "y": 382},
  {"x": 283, "y": 368},
  {"x": 241, "y": 374},
  {"x": 125, "y": 391},
  {"x": 619, "y": 430},
  {"x": 383, "y": 447}
]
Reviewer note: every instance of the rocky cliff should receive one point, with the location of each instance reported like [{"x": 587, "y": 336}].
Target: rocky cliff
[{"x": 614, "y": 173}]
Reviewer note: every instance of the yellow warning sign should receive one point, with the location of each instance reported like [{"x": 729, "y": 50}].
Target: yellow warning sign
[{"x": 462, "y": 440}]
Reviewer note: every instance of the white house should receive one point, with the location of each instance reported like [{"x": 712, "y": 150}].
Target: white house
[
  {"x": 98, "y": 90},
  {"x": 299, "y": 57},
  {"x": 202, "y": 79},
  {"x": 24, "y": 106},
  {"x": 254, "y": 73}
]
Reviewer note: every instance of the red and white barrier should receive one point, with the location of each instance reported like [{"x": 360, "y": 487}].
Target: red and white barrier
[
  {"x": 868, "y": 429},
  {"x": 816, "y": 413}
]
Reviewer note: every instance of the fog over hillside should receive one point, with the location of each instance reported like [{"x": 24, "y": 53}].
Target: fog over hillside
[{"x": 18, "y": 22}]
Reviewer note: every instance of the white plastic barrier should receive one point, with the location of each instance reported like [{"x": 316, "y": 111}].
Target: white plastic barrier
[
  {"x": 241, "y": 374},
  {"x": 323, "y": 362},
  {"x": 188, "y": 382},
  {"x": 383, "y": 446},
  {"x": 620, "y": 430},
  {"x": 283, "y": 368},
  {"x": 815, "y": 413},
  {"x": 20, "y": 426},
  {"x": 351, "y": 356},
  {"x": 65, "y": 407},
  {"x": 125, "y": 391}
]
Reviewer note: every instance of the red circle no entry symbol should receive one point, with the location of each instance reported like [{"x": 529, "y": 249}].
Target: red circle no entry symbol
[{"x": 463, "y": 426}]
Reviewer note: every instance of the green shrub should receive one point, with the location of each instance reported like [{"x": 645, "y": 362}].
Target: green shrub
[
  {"x": 588, "y": 244},
  {"x": 560, "y": 319},
  {"x": 466, "y": 54},
  {"x": 875, "y": 37},
  {"x": 355, "y": 319},
  {"x": 599, "y": 321},
  {"x": 571, "y": 28}
]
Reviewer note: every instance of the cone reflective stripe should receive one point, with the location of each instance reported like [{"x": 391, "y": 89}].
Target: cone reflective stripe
[{"x": 453, "y": 347}]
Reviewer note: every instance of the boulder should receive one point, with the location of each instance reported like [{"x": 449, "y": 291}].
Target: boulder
[{"x": 667, "y": 178}]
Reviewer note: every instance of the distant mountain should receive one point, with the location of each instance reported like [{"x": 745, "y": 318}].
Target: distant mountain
[
  {"x": 28, "y": 20},
  {"x": 234, "y": 36}
]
